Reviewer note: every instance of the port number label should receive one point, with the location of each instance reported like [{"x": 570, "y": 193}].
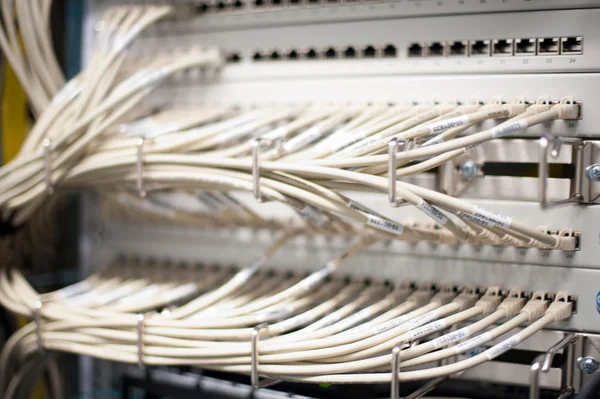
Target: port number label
[
  {"x": 548, "y": 60},
  {"x": 572, "y": 60}
]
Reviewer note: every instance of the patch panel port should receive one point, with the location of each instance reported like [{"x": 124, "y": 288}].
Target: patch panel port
[
  {"x": 221, "y": 6},
  {"x": 257, "y": 56},
  {"x": 276, "y": 3},
  {"x": 415, "y": 50},
  {"x": 201, "y": 8},
  {"x": 233, "y": 58},
  {"x": 390, "y": 51},
  {"x": 503, "y": 47},
  {"x": 274, "y": 56},
  {"x": 350, "y": 52},
  {"x": 525, "y": 47},
  {"x": 311, "y": 54},
  {"x": 548, "y": 46},
  {"x": 479, "y": 48},
  {"x": 294, "y": 2},
  {"x": 259, "y": 3},
  {"x": 458, "y": 48},
  {"x": 238, "y": 4},
  {"x": 293, "y": 55},
  {"x": 314, "y": 2},
  {"x": 572, "y": 45},
  {"x": 369, "y": 52},
  {"x": 330, "y": 53},
  {"x": 436, "y": 49}
]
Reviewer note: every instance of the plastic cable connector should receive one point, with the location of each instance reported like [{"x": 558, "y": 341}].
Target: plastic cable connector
[
  {"x": 466, "y": 299},
  {"x": 489, "y": 303},
  {"x": 513, "y": 304},
  {"x": 443, "y": 297},
  {"x": 561, "y": 308},
  {"x": 535, "y": 308},
  {"x": 420, "y": 297}
]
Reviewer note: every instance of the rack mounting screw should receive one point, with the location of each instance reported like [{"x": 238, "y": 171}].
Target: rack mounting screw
[
  {"x": 588, "y": 365},
  {"x": 469, "y": 169},
  {"x": 593, "y": 172}
]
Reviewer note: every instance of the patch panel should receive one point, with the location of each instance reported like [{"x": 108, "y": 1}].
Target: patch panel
[{"x": 572, "y": 45}]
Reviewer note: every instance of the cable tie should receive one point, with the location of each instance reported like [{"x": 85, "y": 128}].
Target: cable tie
[
  {"x": 256, "y": 146},
  {"x": 254, "y": 376},
  {"x": 140, "y": 167},
  {"x": 47, "y": 145}
]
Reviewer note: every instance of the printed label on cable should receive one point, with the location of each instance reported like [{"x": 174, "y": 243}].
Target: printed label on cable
[
  {"x": 451, "y": 338},
  {"x": 437, "y": 215},
  {"x": 426, "y": 329},
  {"x": 326, "y": 321},
  {"x": 436, "y": 140},
  {"x": 388, "y": 325},
  {"x": 503, "y": 347},
  {"x": 487, "y": 218},
  {"x": 384, "y": 225},
  {"x": 509, "y": 128},
  {"x": 473, "y": 342},
  {"x": 304, "y": 138},
  {"x": 316, "y": 278},
  {"x": 442, "y": 126},
  {"x": 355, "y": 318},
  {"x": 424, "y": 318},
  {"x": 144, "y": 293}
]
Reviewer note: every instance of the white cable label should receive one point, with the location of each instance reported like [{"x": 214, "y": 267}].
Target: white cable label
[
  {"x": 473, "y": 342},
  {"x": 297, "y": 321},
  {"x": 74, "y": 289},
  {"x": 354, "y": 319},
  {"x": 503, "y": 347},
  {"x": 426, "y": 329},
  {"x": 423, "y": 319},
  {"x": 443, "y": 125},
  {"x": 388, "y": 325},
  {"x": 316, "y": 278},
  {"x": 179, "y": 292},
  {"x": 242, "y": 276},
  {"x": 509, "y": 128},
  {"x": 303, "y": 139},
  {"x": 487, "y": 218},
  {"x": 144, "y": 293},
  {"x": 430, "y": 210},
  {"x": 275, "y": 314},
  {"x": 384, "y": 225},
  {"x": 450, "y": 338}
]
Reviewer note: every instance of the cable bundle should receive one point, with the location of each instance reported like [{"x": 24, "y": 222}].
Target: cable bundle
[
  {"x": 303, "y": 156},
  {"x": 319, "y": 329}
]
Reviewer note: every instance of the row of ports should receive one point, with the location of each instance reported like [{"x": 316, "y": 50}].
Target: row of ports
[
  {"x": 370, "y": 51},
  {"x": 235, "y": 5},
  {"x": 571, "y": 45}
]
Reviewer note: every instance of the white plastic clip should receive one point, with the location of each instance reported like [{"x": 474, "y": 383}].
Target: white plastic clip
[
  {"x": 254, "y": 376},
  {"x": 395, "y": 387},
  {"x": 140, "y": 339},
  {"x": 47, "y": 145},
  {"x": 393, "y": 166},
  {"x": 256, "y": 146},
  {"x": 37, "y": 319},
  {"x": 140, "y": 167}
]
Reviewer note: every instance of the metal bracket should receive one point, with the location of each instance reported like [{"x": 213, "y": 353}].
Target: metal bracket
[
  {"x": 256, "y": 146},
  {"x": 576, "y": 189},
  {"x": 542, "y": 364},
  {"x": 47, "y": 145},
  {"x": 395, "y": 387},
  {"x": 392, "y": 167},
  {"x": 254, "y": 376},
  {"x": 140, "y": 167}
]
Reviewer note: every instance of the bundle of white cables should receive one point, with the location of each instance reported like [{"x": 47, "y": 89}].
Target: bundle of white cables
[{"x": 320, "y": 330}]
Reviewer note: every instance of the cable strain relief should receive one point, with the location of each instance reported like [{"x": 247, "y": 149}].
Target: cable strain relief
[
  {"x": 537, "y": 305},
  {"x": 490, "y": 301},
  {"x": 445, "y": 295},
  {"x": 561, "y": 308}
]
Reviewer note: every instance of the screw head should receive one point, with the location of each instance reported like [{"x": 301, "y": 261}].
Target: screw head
[
  {"x": 588, "y": 365},
  {"x": 593, "y": 172},
  {"x": 469, "y": 168}
]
